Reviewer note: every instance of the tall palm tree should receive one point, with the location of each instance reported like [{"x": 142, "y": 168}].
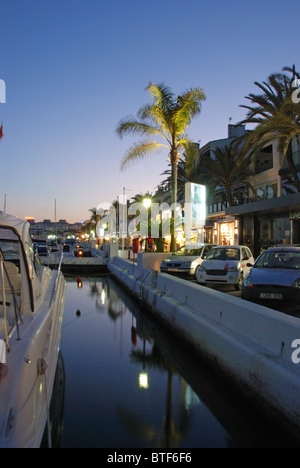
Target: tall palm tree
[
  {"x": 276, "y": 116},
  {"x": 94, "y": 216},
  {"x": 189, "y": 170},
  {"x": 229, "y": 169},
  {"x": 168, "y": 118}
]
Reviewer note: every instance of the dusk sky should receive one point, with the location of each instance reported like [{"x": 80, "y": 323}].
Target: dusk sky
[{"x": 74, "y": 68}]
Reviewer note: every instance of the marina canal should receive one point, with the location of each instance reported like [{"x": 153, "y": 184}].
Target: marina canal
[{"x": 129, "y": 384}]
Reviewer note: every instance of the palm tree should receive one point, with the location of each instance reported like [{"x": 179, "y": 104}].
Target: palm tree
[
  {"x": 94, "y": 216},
  {"x": 229, "y": 169},
  {"x": 139, "y": 197},
  {"x": 167, "y": 117},
  {"x": 276, "y": 116},
  {"x": 189, "y": 170}
]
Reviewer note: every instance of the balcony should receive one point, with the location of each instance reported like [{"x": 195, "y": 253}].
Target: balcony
[{"x": 220, "y": 207}]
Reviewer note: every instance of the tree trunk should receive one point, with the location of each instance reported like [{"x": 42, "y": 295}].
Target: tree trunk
[
  {"x": 173, "y": 200},
  {"x": 292, "y": 167},
  {"x": 229, "y": 195}
]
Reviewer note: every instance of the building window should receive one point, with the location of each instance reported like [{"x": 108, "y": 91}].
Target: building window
[
  {"x": 275, "y": 231},
  {"x": 264, "y": 160},
  {"x": 227, "y": 233},
  {"x": 248, "y": 234}
]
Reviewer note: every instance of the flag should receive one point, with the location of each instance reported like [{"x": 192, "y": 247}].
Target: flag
[{"x": 1, "y": 131}]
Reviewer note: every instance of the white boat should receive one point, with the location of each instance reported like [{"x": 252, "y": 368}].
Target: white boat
[{"x": 31, "y": 314}]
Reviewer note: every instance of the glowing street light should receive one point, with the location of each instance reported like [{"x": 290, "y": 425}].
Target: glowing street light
[{"x": 147, "y": 202}]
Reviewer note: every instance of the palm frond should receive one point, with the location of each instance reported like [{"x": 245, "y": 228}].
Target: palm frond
[
  {"x": 188, "y": 106},
  {"x": 129, "y": 125},
  {"x": 162, "y": 96},
  {"x": 139, "y": 151}
]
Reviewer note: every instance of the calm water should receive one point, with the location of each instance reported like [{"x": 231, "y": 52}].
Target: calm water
[{"x": 108, "y": 344}]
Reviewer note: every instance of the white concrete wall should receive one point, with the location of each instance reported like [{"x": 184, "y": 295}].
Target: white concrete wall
[
  {"x": 150, "y": 260},
  {"x": 251, "y": 343}
]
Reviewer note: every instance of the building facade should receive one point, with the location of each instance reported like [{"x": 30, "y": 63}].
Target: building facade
[{"x": 268, "y": 215}]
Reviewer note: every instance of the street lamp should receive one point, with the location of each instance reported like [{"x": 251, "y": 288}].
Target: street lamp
[{"x": 147, "y": 202}]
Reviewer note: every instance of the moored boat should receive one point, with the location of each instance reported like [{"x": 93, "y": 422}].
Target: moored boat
[{"x": 31, "y": 313}]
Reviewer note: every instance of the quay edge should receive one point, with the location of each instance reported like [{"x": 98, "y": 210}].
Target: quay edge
[
  {"x": 249, "y": 344},
  {"x": 73, "y": 265}
]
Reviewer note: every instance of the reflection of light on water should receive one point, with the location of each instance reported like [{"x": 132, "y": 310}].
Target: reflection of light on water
[
  {"x": 191, "y": 399},
  {"x": 103, "y": 297},
  {"x": 143, "y": 380}
]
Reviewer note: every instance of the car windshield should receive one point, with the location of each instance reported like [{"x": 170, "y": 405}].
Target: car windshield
[
  {"x": 223, "y": 254},
  {"x": 188, "y": 252},
  {"x": 279, "y": 259}
]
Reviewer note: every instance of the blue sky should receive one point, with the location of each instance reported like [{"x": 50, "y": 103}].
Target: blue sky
[{"x": 74, "y": 68}]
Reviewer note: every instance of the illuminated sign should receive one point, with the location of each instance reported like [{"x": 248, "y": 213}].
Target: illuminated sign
[
  {"x": 294, "y": 215},
  {"x": 195, "y": 205}
]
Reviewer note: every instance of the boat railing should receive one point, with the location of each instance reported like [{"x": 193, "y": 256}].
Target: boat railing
[
  {"x": 7, "y": 289},
  {"x": 57, "y": 277}
]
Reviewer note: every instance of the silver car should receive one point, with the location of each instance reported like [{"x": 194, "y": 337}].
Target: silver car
[
  {"x": 275, "y": 276},
  {"x": 186, "y": 260}
]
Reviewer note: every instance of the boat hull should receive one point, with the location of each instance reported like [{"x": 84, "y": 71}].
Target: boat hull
[{"x": 25, "y": 392}]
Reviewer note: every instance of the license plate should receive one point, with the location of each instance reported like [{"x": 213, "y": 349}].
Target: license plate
[
  {"x": 172, "y": 269},
  {"x": 270, "y": 296}
]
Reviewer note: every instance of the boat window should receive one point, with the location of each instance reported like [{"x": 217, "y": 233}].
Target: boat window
[
  {"x": 33, "y": 260},
  {"x": 17, "y": 265},
  {"x": 9, "y": 245}
]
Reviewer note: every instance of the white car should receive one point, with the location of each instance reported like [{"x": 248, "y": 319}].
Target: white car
[
  {"x": 186, "y": 260},
  {"x": 226, "y": 265}
]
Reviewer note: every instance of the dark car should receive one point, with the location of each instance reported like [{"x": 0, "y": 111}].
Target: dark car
[{"x": 275, "y": 276}]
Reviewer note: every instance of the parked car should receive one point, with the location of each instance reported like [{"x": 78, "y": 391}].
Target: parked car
[
  {"x": 226, "y": 265},
  {"x": 186, "y": 260},
  {"x": 275, "y": 276}
]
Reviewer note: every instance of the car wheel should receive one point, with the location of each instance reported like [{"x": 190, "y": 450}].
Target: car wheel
[
  {"x": 195, "y": 274},
  {"x": 238, "y": 285}
]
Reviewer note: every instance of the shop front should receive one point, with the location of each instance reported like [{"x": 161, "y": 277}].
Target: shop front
[
  {"x": 268, "y": 222},
  {"x": 224, "y": 231}
]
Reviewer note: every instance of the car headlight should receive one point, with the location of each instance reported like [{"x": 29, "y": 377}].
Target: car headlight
[
  {"x": 186, "y": 265},
  {"x": 247, "y": 282},
  {"x": 202, "y": 268},
  {"x": 296, "y": 284},
  {"x": 234, "y": 268}
]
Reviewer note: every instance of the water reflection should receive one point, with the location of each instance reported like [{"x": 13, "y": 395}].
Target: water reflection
[
  {"x": 130, "y": 383},
  {"x": 52, "y": 439}
]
